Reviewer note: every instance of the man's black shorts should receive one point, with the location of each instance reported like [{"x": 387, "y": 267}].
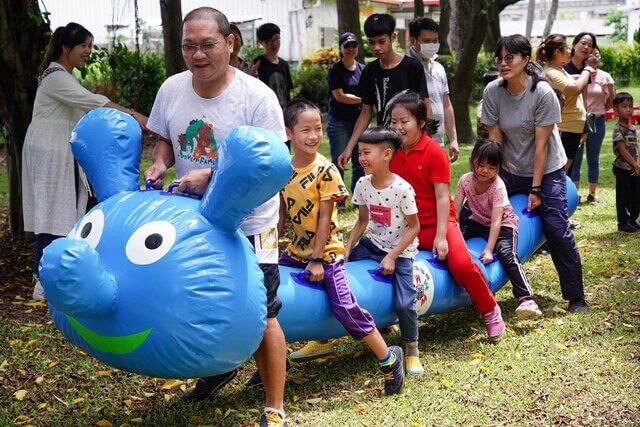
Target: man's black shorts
[{"x": 271, "y": 282}]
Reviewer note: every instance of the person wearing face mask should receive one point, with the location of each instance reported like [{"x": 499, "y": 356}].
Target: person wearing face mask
[{"x": 423, "y": 34}]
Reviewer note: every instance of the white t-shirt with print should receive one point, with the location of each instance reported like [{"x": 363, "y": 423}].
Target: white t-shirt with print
[
  {"x": 195, "y": 125},
  {"x": 388, "y": 208}
]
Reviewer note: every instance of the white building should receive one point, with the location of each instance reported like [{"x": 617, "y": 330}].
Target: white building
[
  {"x": 633, "y": 21},
  {"x": 305, "y": 25},
  {"x": 573, "y": 17}
]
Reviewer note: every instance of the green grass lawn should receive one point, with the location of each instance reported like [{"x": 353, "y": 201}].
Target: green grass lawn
[{"x": 562, "y": 369}]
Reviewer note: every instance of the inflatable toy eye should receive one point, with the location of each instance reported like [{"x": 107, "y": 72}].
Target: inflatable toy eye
[
  {"x": 150, "y": 242},
  {"x": 90, "y": 229}
]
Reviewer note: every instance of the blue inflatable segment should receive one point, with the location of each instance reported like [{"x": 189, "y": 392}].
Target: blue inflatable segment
[
  {"x": 163, "y": 284},
  {"x": 106, "y": 142},
  {"x": 149, "y": 281},
  {"x": 306, "y": 313}
]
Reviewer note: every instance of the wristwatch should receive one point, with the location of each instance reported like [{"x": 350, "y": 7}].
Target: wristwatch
[{"x": 320, "y": 260}]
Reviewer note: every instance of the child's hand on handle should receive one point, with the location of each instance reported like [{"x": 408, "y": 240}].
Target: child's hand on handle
[
  {"x": 440, "y": 248},
  {"x": 486, "y": 257},
  {"x": 388, "y": 265},
  {"x": 534, "y": 202},
  {"x": 316, "y": 270}
]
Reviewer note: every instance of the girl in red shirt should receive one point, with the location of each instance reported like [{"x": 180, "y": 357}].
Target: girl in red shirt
[{"x": 425, "y": 165}]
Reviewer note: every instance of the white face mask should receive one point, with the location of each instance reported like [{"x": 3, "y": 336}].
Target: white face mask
[{"x": 428, "y": 50}]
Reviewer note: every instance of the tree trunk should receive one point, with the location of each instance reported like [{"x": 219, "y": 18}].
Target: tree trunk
[
  {"x": 171, "y": 15},
  {"x": 443, "y": 35},
  {"x": 493, "y": 26},
  {"x": 551, "y": 17},
  {"x": 468, "y": 24},
  {"x": 418, "y": 8},
  {"x": 349, "y": 20},
  {"x": 23, "y": 37},
  {"x": 531, "y": 10}
]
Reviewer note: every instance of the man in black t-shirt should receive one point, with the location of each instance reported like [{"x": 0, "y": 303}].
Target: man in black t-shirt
[
  {"x": 383, "y": 78},
  {"x": 273, "y": 70}
]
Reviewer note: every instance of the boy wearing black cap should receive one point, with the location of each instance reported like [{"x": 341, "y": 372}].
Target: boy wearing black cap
[{"x": 271, "y": 69}]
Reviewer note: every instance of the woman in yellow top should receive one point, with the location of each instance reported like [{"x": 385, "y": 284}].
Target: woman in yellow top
[{"x": 554, "y": 53}]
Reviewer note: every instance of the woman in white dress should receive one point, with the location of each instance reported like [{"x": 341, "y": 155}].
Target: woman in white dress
[{"x": 54, "y": 188}]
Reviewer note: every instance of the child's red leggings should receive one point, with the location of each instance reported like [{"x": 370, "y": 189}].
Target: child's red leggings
[{"x": 465, "y": 273}]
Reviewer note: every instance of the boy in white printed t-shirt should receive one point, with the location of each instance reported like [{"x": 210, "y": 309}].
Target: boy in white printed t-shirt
[{"x": 387, "y": 206}]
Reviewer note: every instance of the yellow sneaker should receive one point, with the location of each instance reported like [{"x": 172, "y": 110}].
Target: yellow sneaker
[
  {"x": 313, "y": 350},
  {"x": 413, "y": 366}
]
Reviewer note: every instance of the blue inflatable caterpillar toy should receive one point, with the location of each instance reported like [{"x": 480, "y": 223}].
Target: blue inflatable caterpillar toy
[
  {"x": 163, "y": 284},
  {"x": 155, "y": 282}
]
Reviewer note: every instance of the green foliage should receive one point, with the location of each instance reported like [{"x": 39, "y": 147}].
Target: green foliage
[
  {"x": 636, "y": 36},
  {"x": 124, "y": 77},
  {"x": 310, "y": 81},
  {"x": 323, "y": 57},
  {"x": 618, "y": 19},
  {"x": 622, "y": 61},
  {"x": 484, "y": 63},
  {"x": 249, "y": 53}
]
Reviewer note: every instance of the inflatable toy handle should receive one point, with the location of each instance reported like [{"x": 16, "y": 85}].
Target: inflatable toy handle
[
  {"x": 302, "y": 278},
  {"x": 376, "y": 274},
  {"x": 436, "y": 263},
  {"x": 172, "y": 186},
  {"x": 528, "y": 214},
  {"x": 147, "y": 185}
]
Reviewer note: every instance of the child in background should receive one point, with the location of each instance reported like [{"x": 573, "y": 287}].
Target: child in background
[
  {"x": 387, "y": 205},
  {"x": 493, "y": 219},
  {"x": 481, "y": 130},
  {"x": 425, "y": 165},
  {"x": 270, "y": 68},
  {"x": 625, "y": 166},
  {"x": 309, "y": 199}
]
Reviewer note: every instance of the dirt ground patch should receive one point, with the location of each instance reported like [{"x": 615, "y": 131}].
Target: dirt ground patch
[{"x": 15, "y": 277}]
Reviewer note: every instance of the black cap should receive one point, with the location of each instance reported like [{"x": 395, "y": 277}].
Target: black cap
[{"x": 347, "y": 38}]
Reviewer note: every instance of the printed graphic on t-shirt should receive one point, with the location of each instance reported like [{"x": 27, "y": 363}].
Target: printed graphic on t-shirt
[
  {"x": 279, "y": 86},
  {"x": 266, "y": 247},
  {"x": 198, "y": 143},
  {"x": 381, "y": 215}
]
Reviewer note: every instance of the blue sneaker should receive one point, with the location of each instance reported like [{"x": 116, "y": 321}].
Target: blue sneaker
[{"x": 394, "y": 373}]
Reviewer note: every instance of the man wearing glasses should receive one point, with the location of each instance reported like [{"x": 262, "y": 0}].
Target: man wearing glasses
[
  {"x": 271, "y": 69},
  {"x": 193, "y": 110}
]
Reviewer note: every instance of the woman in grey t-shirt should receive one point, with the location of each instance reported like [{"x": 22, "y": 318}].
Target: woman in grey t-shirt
[{"x": 521, "y": 111}]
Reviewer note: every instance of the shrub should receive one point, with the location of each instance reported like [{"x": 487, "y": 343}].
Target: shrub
[
  {"x": 622, "y": 61},
  {"x": 310, "y": 81},
  {"x": 124, "y": 77},
  {"x": 484, "y": 63},
  {"x": 249, "y": 53}
]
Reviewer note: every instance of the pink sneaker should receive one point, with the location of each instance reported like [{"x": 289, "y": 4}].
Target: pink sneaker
[
  {"x": 494, "y": 322},
  {"x": 528, "y": 309}
]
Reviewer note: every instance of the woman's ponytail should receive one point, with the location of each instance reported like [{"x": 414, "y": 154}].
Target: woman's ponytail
[
  {"x": 54, "y": 49},
  {"x": 536, "y": 72}
]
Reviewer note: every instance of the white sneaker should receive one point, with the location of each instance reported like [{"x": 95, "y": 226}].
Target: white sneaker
[
  {"x": 528, "y": 309},
  {"x": 38, "y": 291}
]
